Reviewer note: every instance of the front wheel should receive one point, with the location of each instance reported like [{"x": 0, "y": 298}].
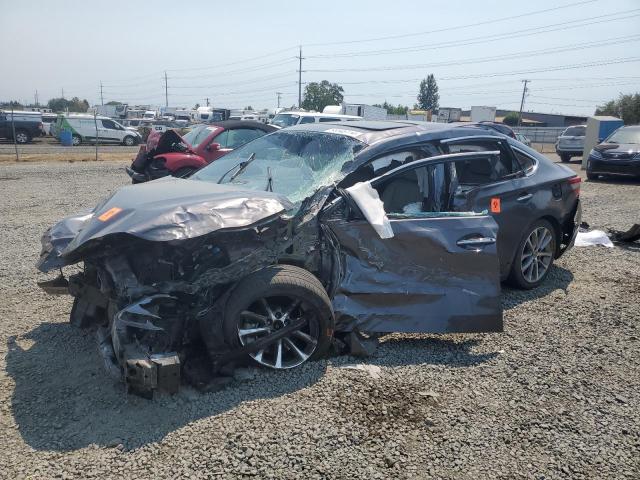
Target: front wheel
[
  {"x": 271, "y": 299},
  {"x": 76, "y": 140},
  {"x": 129, "y": 141},
  {"x": 534, "y": 256},
  {"x": 591, "y": 176}
]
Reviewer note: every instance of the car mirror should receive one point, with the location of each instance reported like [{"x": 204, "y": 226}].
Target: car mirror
[{"x": 213, "y": 146}]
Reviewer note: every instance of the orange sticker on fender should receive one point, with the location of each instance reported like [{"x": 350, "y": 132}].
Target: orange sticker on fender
[
  {"x": 495, "y": 205},
  {"x": 112, "y": 212}
]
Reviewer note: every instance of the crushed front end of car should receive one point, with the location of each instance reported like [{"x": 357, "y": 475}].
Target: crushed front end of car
[{"x": 152, "y": 275}]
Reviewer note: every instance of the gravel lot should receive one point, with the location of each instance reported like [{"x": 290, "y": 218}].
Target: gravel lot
[{"x": 555, "y": 396}]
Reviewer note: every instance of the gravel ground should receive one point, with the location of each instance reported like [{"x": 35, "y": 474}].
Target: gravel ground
[{"x": 554, "y": 396}]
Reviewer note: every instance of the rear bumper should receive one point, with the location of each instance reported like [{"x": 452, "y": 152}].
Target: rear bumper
[
  {"x": 570, "y": 230},
  {"x": 625, "y": 167}
]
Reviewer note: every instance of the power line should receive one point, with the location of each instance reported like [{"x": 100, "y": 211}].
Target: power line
[
  {"x": 447, "y": 29},
  {"x": 510, "y": 56},
  {"x": 486, "y": 38}
]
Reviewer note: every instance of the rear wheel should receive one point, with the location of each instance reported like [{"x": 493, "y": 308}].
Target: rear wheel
[
  {"x": 271, "y": 299},
  {"x": 76, "y": 140},
  {"x": 565, "y": 157},
  {"x": 534, "y": 256},
  {"x": 22, "y": 136}
]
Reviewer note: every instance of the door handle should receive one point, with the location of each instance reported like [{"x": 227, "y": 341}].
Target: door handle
[
  {"x": 475, "y": 242},
  {"x": 525, "y": 197}
]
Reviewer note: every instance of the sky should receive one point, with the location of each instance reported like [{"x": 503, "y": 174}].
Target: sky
[{"x": 576, "y": 53}]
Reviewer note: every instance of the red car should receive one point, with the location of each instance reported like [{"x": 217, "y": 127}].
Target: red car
[{"x": 171, "y": 154}]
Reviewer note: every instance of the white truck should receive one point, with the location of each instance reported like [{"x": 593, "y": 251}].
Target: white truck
[
  {"x": 367, "y": 112},
  {"x": 111, "y": 111},
  {"x": 447, "y": 115},
  {"x": 483, "y": 114}
]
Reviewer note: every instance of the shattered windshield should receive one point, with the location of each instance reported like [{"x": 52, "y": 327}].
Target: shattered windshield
[
  {"x": 293, "y": 164},
  {"x": 285, "y": 120}
]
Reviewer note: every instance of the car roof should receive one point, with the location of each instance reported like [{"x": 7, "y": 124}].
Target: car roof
[
  {"x": 371, "y": 131},
  {"x": 319, "y": 114},
  {"x": 243, "y": 123}
]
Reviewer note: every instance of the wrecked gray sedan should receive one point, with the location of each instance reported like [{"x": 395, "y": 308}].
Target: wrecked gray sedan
[{"x": 308, "y": 236}]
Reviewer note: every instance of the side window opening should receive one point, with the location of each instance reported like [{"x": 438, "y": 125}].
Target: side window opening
[
  {"x": 307, "y": 120},
  {"x": 423, "y": 191},
  {"x": 526, "y": 161},
  {"x": 484, "y": 171}
]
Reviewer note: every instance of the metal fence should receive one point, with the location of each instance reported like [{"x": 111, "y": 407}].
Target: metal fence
[{"x": 540, "y": 134}]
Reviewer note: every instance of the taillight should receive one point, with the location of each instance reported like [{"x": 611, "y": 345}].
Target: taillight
[{"x": 574, "y": 183}]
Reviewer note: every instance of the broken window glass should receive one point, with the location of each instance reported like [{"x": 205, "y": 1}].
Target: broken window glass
[{"x": 293, "y": 163}]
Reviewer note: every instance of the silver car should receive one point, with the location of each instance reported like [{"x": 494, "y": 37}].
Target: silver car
[{"x": 571, "y": 142}]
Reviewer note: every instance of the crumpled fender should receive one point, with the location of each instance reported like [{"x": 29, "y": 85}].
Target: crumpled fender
[{"x": 162, "y": 210}]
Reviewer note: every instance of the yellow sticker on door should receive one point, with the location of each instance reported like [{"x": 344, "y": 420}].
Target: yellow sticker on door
[
  {"x": 109, "y": 214},
  {"x": 495, "y": 205}
]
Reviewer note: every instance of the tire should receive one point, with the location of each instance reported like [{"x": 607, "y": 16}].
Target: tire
[
  {"x": 565, "y": 157},
  {"x": 289, "y": 292},
  {"x": 184, "y": 172},
  {"x": 129, "y": 141},
  {"x": 526, "y": 274},
  {"x": 22, "y": 137},
  {"x": 591, "y": 176},
  {"x": 76, "y": 140}
]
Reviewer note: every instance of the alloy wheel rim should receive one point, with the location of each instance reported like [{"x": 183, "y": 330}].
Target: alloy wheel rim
[
  {"x": 21, "y": 138},
  {"x": 537, "y": 254},
  {"x": 269, "y": 314}
]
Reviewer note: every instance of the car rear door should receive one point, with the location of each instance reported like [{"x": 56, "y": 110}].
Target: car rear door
[
  {"x": 498, "y": 185},
  {"x": 437, "y": 274}
]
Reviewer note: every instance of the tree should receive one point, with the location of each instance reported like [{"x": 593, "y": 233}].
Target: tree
[
  {"x": 391, "y": 110},
  {"x": 73, "y": 105},
  {"x": 319, "y": 95},
  {"x": 511, "y": 119},
  {"x": 250, "y": 108},
  {"x": 626, "y": 107},
  {"x": 428, "y": 96},
  {"x": 196, "y": 106},
  {"x": 11, "y": 103},
  {"x": 113, "y": 102}
]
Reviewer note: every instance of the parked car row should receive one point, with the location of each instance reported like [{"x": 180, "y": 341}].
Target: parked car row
[{"x": 316, "y": 231}]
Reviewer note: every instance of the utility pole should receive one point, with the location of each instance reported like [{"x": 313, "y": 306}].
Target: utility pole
[
  {"x": 278, "y": 94},
  {"x": 101, "y": 97},
  {"x": 62, "y": 92},
  {"x": 36, "y": 98},
  {"x": 300, "y": 78},
  {"x": 207, "y": 101},
  {"x": 524, "y": 93},
  {"x": 166, "y": 91}
]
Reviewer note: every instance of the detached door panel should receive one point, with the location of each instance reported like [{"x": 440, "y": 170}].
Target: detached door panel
[{"x": 435, "y": 275}]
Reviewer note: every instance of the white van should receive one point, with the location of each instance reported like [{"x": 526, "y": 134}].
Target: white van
[
  {"x": 287, "y": 119},
  {"x": 83, "y": 129}
]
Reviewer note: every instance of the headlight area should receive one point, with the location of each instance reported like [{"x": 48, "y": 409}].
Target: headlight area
[{"x": 595, "y": 154}]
